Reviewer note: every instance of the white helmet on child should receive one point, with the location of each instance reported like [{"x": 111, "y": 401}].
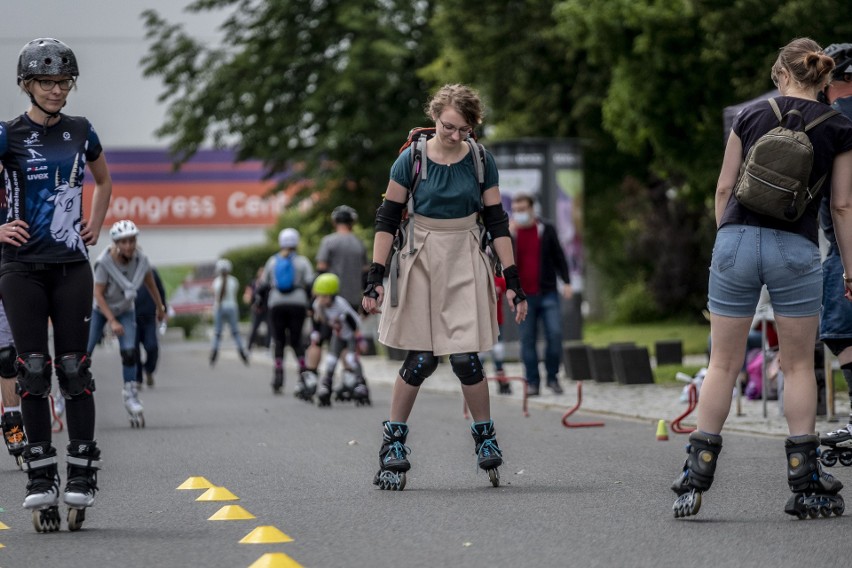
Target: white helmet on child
[
  {"x": 288, "y": 238},
  {"x": 223, "y": 265},
  {"x": 123, "y": 229}
]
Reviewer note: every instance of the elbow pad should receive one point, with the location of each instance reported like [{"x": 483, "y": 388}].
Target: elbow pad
[
  {"x": 389, "y": 216},
  {"x": 496, "y": 220}
]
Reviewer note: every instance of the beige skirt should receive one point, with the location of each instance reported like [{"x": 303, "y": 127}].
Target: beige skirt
[{"x": 447, "y": 300}]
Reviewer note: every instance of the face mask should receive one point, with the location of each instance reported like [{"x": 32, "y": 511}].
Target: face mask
[{"x": 522, "y": 218}]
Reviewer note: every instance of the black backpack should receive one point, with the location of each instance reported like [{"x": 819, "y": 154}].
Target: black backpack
[{"x": 774, "y": 176}]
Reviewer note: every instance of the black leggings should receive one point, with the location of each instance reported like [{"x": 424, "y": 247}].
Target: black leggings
[
  {"x": 286, "y": 322},
  {"x": 62, "y": 294}
]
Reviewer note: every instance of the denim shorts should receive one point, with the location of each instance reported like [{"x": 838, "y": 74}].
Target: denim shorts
[
  {"x": 745, "y": 258},
  {"x": 835, "y": 326}
]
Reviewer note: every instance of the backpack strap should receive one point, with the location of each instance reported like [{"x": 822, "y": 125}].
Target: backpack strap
[
  {"x": 774, "y": 104},
  {"x": 820, "y": 119},
  {"x": 478, "y": 153}
]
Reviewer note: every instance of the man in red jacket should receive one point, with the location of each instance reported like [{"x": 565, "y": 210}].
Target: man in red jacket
[{"x": 540, "y": 260}]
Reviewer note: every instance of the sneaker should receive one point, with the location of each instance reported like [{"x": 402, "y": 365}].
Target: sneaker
[
  {"x": 532, "y": 390},
  {"x": 149, "y": 379},
  {"x": 555, "y": 387},
  {"x": 504, "y": 387},
  {"x": 213, "y": 355},
  {"x": 244, "y": 357}
]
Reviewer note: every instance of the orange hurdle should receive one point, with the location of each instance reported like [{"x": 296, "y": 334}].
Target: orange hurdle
[
  {"x": 575, "y": 408},
  {"x": 693, "y": 402}
]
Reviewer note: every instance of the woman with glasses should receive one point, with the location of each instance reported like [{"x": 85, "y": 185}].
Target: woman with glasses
[
  {"x": 753, "y": 250},
  {"x": 45, "y": 274},
  {"x": 445, "y": 288}
]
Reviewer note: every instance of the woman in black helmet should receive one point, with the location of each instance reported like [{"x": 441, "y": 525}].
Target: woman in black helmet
[{"x": 45, "y": 274}]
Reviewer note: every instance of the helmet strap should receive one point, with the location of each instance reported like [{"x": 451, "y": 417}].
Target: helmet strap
[{"x": 48, "y": 115}]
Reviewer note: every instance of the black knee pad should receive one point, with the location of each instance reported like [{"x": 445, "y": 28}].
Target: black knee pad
[
  {"x": 34, "y": 374},
  {"x": 73, "y": 374},
  {"x": 417, "y": 367},
  {"x": 467, "y": 367},
  {"x": 8, "y": 366},
  {"x": 129, "y": 357}
]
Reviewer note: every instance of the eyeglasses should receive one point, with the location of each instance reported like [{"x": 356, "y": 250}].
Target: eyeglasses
[
  {"x": 48, "y": 84},
  {"x": 450, "y": 129}
]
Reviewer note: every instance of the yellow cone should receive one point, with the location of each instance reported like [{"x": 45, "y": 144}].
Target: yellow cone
[
  {"x": 265, "y": 535},
  {"x": 662, "y": 431},
  {"x": 231, "y": 513},
  {"x": 217, "y": 494},
  {"x": 3, "y": 527},
  {"x": 195, "y": 483},
  {"x": 275, "y": 560}
]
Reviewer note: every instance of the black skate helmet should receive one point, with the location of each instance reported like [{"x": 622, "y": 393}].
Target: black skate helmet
[
  {"x": 344, "y": 214},
  {"x": 46, "y": 56}
]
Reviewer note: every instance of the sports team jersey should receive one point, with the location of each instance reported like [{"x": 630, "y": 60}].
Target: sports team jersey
[{"x": 43, "y": 170}]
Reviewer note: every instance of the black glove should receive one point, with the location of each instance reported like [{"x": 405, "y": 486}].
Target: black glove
[
  {"x": 513, "y": 283},
  {"x": 375, "y": 276}
]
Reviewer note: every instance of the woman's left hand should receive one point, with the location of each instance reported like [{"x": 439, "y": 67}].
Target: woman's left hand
[
  {"x": 90, "y": 238},
  {"x": 520, "y": 310}
]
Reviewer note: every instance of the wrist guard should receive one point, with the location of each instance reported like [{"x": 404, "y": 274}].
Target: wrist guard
[
  {"x": 375, "y": 276},
  {"x": 513, "y": 283}
]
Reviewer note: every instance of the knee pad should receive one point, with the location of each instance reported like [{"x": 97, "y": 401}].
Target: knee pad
[
  {"x": 129, "y": 357},
  {"x": 8, "y": 368},
  {"x": 417, "y": 367},
  {"x": 467, "y": 367},
  {"x": 330, "y": 362},
  {"x": 73, "y": 374},
  {"x": 499, "y": 351},
  {"x": 34, "y": 374},
  {"x": 351, "y": 360}
]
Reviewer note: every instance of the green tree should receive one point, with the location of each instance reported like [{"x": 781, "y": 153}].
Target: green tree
[{"x": 329, "y": 85}]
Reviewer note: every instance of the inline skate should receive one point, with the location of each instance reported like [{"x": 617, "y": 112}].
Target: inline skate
[
  {"x": 361, "y": 394},
  {"x": 278, "y": 377},
  {"x": 12, "y": 425},
  {"x": 698, "y": 470},
  {"x": 347, "y": 386},
  {"x": 839, "y": 443},
  {"x": 393, "y": 462},
  {"x": 133, "y": 405},
  {"x": 324, "y": 392},
  {"x": 43, "y": 486},
  {"x": 306, "y": 386},
  {"x": 83, "y": 462},
  {"x": 815, "y": 492},
  {"x": 488, "y": 454}
]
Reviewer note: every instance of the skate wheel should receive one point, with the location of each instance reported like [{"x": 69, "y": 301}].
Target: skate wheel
[
  {"x": 494, "y": 476},
  {"x": 141, "y": 421},
  {"x": 19, "y": 460},
  {"x": 687, "y": 504},
  {"x": 846, "y": 458},
  {"x": 813, "y": 512},
  {"x": 825, "y": 511},
  {"x": 46, "y": 520},
  {"x": 76, "y": 518},
  {"x": 828, "y": 458}
]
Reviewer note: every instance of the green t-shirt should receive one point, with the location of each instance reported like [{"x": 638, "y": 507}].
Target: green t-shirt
[{"x": 449, "y": 191}]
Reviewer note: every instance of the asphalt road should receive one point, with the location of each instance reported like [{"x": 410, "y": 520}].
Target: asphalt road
[{"x": 591, "y": 497}]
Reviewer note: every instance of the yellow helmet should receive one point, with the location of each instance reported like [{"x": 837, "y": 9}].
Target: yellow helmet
[{"x": 326, "y": 284}]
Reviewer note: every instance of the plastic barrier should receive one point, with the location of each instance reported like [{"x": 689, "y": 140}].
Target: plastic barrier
[
  {"x": 523, "y": 382},
  {"x": 575, "y": 408}
]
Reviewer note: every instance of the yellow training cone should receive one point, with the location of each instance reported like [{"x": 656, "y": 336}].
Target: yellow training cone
[
  {"x": 4, "y": 546},
  {"x": 275, "y": 560},
  {"x": 231, "y": 513},
  {"x": 217, "y": 494},
  {"x": 662, "y": 432},
  {"x": 3, "y": 527},
  {"x": 265, "y": 535},
  {"x": 195, "y": 483}
]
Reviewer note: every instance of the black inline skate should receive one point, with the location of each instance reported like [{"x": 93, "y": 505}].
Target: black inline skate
[
  {"x": 324, "y": 392},
  {"x": 814, "y": 491},
  {"x": 488, "y": 454},
  {"x": 43, "y": 486},
  {"x": 345, "y": 391},
  {"x": 698, "y": 470},
  {"x": 839, "y": 444},
  {"x": 12, "y": 425},
  {"x": 393, "y": 462},
  {"x": 83, "y": 462},
  {"x": 277, "y": 380},
  {"x": 306, "y": 386},
  {"x": 361, "y": 393}
]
